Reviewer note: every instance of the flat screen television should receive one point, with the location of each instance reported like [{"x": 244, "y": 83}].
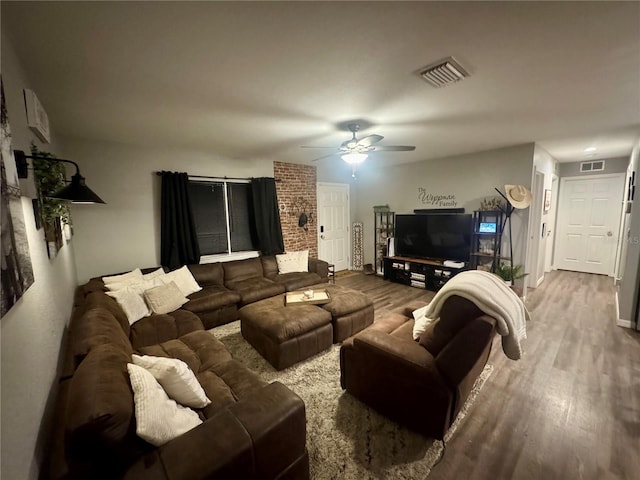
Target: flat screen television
[{"x": 440, "y": 236}]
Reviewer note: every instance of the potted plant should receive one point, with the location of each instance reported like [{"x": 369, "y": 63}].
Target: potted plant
[{"x": 509, "y": 273}]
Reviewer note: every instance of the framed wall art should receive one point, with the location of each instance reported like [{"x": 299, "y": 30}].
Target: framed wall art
[
  {"x": 37, "y": 117},
  {"x": 547, "y": 200}
]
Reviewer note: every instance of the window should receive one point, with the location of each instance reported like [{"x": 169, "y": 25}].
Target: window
[{"x": 223, "y": 214}]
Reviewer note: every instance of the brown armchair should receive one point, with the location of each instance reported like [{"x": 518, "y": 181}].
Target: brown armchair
[{"x": 421, "y": 385}]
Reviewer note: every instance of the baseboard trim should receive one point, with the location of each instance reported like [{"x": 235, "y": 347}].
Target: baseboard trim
[
  {"x": 620, "y": 321},
  {"x": 624, "y": 323}
]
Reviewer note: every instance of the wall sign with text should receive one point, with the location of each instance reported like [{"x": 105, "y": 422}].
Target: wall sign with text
[{"x": 436, "y": 199}]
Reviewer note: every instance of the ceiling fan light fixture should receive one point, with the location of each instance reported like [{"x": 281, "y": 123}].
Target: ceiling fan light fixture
[{"x": 354, "y": 157}]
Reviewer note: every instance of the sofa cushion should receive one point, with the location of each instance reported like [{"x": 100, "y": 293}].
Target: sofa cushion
[
  {"x": 101, "y": 299},
  {"x": 161, "y": 328},
  {"x": 177, "y": 379},
  {"x": 208, "y": 274},
  {"x": 96, "y": 327},
  {"x": 297, "y": 280},
  {"x": 159, "y": 419},
  {"x": 211, "y": 297},
  {"x": 455, "y": 314},
  {"x": 227, "y": 383},
  {"x": 132, "y": 303},
  {"x": 224, "y": 380},
  {"x": 158, "y": 272},
  {"x": 239, "y": 270},
  {"x": 100, "y": 423},
  {"x": 269, "y": 266},
  {"x": 199, "y": 350},
  {"x": 293, "y": 262},
  {"x": 255, "y": 288},
  {"x": 164, "y": 298},
  {"x": 124, "y": 278}
]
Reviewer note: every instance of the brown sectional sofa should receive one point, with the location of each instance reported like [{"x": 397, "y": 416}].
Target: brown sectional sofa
[
  {"x": 252, "y": 429},
  {"x": 227, "y": 286}
]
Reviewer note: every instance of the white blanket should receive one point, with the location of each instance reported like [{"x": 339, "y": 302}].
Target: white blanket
[{"x": 490, "y": 294}]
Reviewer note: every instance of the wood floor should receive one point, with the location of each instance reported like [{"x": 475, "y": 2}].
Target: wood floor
[{"x": 570, "y": 409}]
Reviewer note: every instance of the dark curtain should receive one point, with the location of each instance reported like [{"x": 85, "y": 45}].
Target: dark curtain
[
  {"x": 178, "y": 238},
  {"x": 267, "y": 216}
]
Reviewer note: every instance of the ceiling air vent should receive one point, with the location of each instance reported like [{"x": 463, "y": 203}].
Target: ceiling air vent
[
  {"x": 443, "y": 73},
  {"x": 596, "y": 166}
]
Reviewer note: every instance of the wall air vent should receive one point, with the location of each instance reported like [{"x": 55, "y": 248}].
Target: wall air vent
[
  {"x": 595, "y": 166},
  {"x": 444, "y": 72}
]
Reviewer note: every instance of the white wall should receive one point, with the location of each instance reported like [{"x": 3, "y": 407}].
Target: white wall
[
  {"x": 630, "y": 282},
  {"x": 545, "y": 164},
  {"x": 471, "y": 178},
  {"x": 32, "y": 330},
  {"x": 125, "y": 233}
]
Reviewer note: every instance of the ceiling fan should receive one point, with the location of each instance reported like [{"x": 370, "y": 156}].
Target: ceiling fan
[{"x": 356, "y": 150}]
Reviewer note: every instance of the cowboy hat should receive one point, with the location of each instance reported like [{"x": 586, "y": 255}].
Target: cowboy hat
[{"x": 518, "y": 195}]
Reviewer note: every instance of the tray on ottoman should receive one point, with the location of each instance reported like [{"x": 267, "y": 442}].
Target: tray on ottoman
[{"x": 319, "y": 297}]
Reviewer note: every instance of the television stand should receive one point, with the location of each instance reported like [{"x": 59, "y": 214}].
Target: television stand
[{"x": 419, "y": 273}]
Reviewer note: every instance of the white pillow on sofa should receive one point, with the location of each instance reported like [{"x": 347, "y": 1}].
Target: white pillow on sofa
[
  {"x": 155, "y": 274},
  {"x": 303, "y": 261},
  {"x": 115, "y": 282},
  {"x": 131, "y": 303},
  {"x": 421, "y": 321},
  {"x": 293, "y": 262},
  {"x": 177, "y": 379},
  {"x": 183, "y": 278},
  {"x": 158, "y": 418},
  {"x": 164, "y": 298}
]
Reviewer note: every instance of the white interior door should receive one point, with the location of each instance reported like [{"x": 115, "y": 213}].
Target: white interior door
[
  {"x": 333, "y": 224},
  {"x": 588, "y": 223}
]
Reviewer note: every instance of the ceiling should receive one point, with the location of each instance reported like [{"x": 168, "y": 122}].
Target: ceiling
[{"x": 256, "y": 80}]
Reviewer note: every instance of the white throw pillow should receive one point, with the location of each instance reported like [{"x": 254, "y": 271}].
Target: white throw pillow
[
  {"x": 158, "y": 418},
  {"x": 132, "y": 304},
  {"x": 124, "y": 279},
  {"x": 177, "y": 379},
  {"x": 183, "y": 279},
  {"x": 155, "y": 274},
  {"x": 303, "y": 261},
  {"x": 421, "y": 322},
  {"x": 293, "y": 262},
  {"x": 165, "y": 298}
]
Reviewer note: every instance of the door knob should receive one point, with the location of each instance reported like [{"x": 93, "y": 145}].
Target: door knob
[
  {"x": 609, "y": 233},
  {"x": 322, "y": 237}
]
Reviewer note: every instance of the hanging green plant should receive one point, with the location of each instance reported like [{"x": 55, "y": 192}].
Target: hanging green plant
[{"x": 49, "y": 178}]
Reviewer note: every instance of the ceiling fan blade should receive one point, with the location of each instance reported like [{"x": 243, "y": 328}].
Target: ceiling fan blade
[
  {"x": 313, "y": 146},
  {"x": 322, "y": 158},
  {"x": 394, "y": 148},
  {"x": 370, "y": 140}
]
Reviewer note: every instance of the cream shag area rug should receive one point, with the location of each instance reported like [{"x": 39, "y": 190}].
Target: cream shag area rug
[{"x": 346, "y": 439}]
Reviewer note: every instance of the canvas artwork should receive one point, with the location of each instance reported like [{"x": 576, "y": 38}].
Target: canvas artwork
[{"x": 17, "y": 274}]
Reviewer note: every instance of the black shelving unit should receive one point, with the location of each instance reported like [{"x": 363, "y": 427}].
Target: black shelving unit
[
  {"x": 383, "y": 230},
  {"x": 486, "y": 242},
  {"x": 419, "y": 273}
]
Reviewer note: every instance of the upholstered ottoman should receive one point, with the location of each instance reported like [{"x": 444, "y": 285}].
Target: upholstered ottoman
[
  {"x": 285, "y": 335},
  {"x": 351, "y": 310}
]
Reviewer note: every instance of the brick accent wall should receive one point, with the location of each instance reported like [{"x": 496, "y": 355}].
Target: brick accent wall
[{"x": 296, "y": 189}]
